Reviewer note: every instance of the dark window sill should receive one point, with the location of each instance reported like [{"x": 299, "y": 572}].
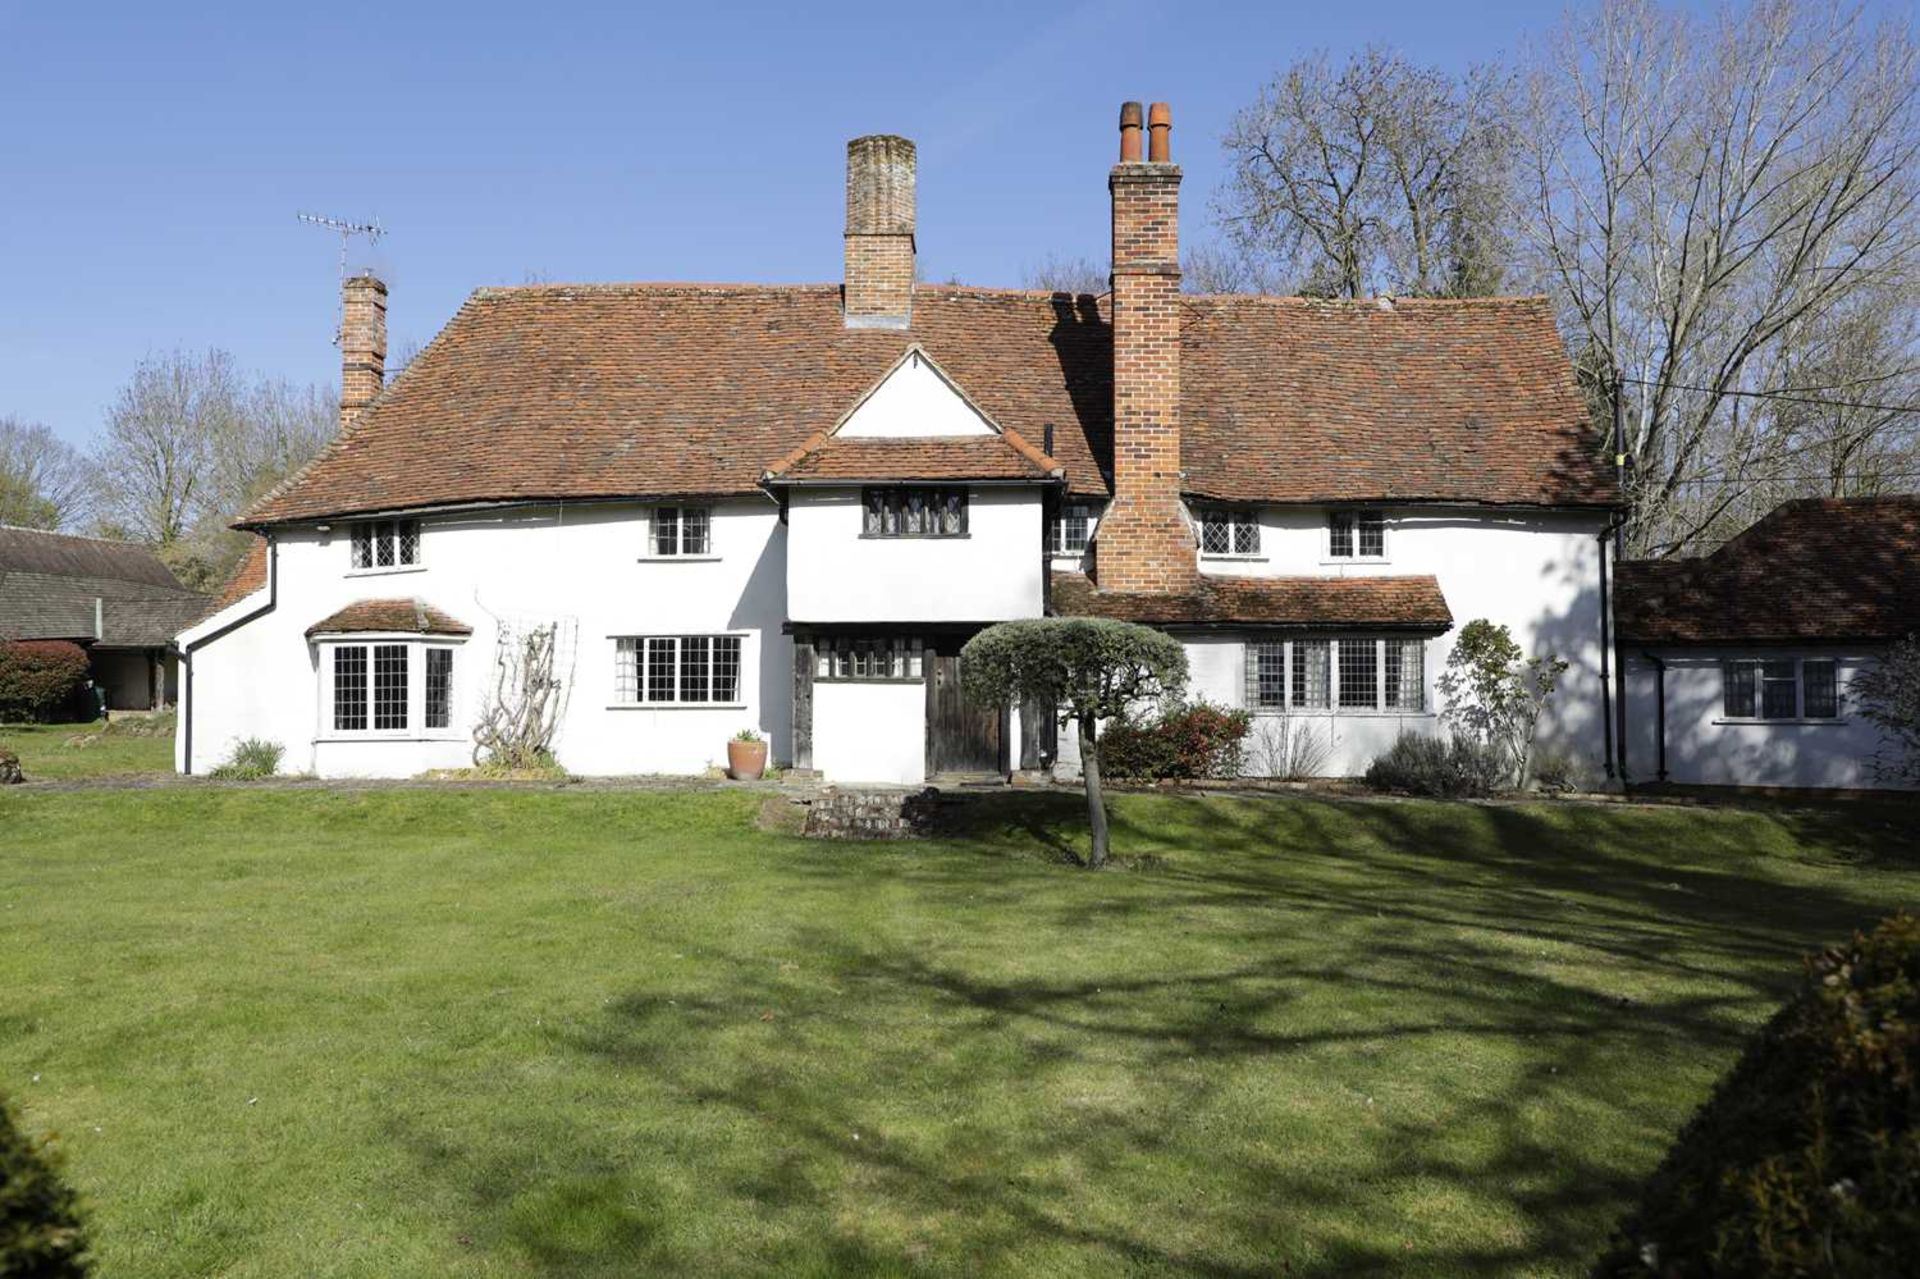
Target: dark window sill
[{"x": 915, "y": 537}]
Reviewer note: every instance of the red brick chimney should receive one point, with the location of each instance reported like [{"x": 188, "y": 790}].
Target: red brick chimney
[
  {"x": 880, "y": 206},
  {"x": 1145, "y": 542},
  {"x": 363, "y": 343}
]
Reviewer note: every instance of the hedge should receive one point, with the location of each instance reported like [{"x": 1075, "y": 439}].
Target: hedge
[
  {"x": 39, "y": 677},
  {"x": 1182, "y": 742},
  {"x": 1805, "y": 1160}
]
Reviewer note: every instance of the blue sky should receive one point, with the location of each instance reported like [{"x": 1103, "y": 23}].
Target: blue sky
[{"x": 153, "y": 156}]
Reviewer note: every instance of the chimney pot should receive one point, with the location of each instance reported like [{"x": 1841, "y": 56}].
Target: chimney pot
[
  {"x": 1160, "y": 125},
  {"x": 1129, "y": 133}
]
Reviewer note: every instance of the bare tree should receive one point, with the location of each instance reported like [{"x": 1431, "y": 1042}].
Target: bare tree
[
  {"x": 43, "y": 479},
  {"x": 155, "y": 459},
  {"x": 1710, "y": 203},
  {"x": 1379, "y": 175},
  {"x": 1058, "y": 274}
]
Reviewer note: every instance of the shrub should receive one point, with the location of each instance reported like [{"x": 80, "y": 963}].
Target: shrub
[
  {"x": 1495, "y": 697},
  {"x": 1888, "y": 692},
  {"x": 1559, "y": 773},
  {"x": 1805, "y": 1160},
  {"x": 40, "y": 1234},
  {"x": 1182, "y": 742},
  {"x": 1289, "y": 748},
  {"x": 250, "y": 761},
  {"x": 39, "y": 677},
  {"x": 1444, "y": 767}
]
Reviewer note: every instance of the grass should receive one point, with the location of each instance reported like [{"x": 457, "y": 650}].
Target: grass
[
  {"x": 570, "y": 1033},
  {"x": 63, "y": 752}
]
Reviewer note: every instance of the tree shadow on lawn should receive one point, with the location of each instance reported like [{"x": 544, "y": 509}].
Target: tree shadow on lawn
[{"x": 1315, "y": 1039}]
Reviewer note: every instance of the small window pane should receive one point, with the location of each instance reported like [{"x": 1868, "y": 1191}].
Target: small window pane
[
  {"x": 1737, "y": 683},
  {"x": 1359, "y": 674},
  {"x": 870, "y": 521},
  {"x": 693, "y": 668},
  {"x": 389, "y": 686},
  {"x": 383, "y": 544},
  {"x": 439, "y": 687},
  {"x": 695, "y": 530},
  {"x": 408, "y": 533},
  {"x": 1072, "y": 530},
  {"x": 1340, "y": 534},
  {"x": 1310, "y": 659},
  {"x": 363, "y": 546},
  {"x": 726, "y": 668},
  {"x": 1822, "y": 693},
  {"x": 662, "y": 658},
  {"x": 1373, "y": 534},
  {"x": 350, "y": 688},
  {"x": 1246, "y": 534},
  {"x": 1269, "y": 676},
  {"x": 1406, "y": 674},
  {"x": 626, "y": 669},
  {"x": 1777, "y": 690},
  {"x": 666, "y": 530},
  {"x": 1216, "y": 533}
]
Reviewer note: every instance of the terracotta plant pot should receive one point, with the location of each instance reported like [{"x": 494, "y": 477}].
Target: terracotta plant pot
[{"x": 746, "y": 761}]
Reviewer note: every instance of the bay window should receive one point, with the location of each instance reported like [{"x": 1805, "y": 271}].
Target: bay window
[{"x": 386, "y": 687}]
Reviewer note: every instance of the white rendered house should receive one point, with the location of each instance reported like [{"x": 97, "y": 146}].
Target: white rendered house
[{"x": 785, "y": 508}]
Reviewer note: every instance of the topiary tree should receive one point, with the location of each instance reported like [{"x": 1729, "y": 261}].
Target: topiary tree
[
  {"x": 1806, "y": 1159},
  {"x": 1091, "y": 669},
  {"x": 1889, "y": 695},
  {"x": 40, "y": 1235},
  {"x": 1494, "y": 694}
]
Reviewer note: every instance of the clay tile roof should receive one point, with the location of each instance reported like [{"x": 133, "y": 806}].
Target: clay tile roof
[
  {"x": 409, "y": 616},
  {"x": 248, "y": 576},
  {"x": 974, "y": 457},
  {"x": 608, "y": 391},
  {"x": 1412, "y": 603},
  {"x": 1811, "y": 570}
]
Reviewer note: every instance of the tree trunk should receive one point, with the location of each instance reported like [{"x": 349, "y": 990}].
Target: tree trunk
[{"x": 1096, "y": 806}]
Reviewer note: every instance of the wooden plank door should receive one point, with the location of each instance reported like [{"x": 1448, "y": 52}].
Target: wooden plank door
[{"x": 962, "y": 736}]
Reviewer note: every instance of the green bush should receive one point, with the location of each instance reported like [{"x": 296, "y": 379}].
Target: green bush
[
  {"x": 1183, "y": 742},
  {"x": 1448, "y": 768},
  {"x": 40, "y": 1236},
  {"x": 250, "y": 761},
  {"x": 1806, "y": 1159},
  {"x": 1559, "y": 773},
  {"x": 39, "y": 677}
]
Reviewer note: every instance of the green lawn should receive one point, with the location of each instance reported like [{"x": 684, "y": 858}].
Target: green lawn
[
  {"x": 578, "y": 1033},
  {"x": 59, "y": 752}
]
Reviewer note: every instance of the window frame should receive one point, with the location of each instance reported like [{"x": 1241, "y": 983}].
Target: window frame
[
  {"x": 1756, "y": 682},
  {"x": 1312, "y": 662},
  {"x": 1056, "y": 535},
  {"x": 1238, "y": 520},
  {"x": 1355, "y": 520},
  {"x": 851, "y": 659},
  {"x": 415, "y": 704},
  {"x": 398, "y": 537},
  {"x": 634, "y": 668},
  {"x": 894, "y": 498},
  {"x": 685, "y": 516}
]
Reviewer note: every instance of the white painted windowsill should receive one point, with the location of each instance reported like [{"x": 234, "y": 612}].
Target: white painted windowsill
[
  {"x": 1343, "y": 712},
  {"x": 679, "y": 559},
  {"x": 1348, "y": 561},
  {"x": 387, "y": 571},
  {"x": 677, "y": 706},
  {"x": 437, "y": 735},
  {"x": 1207, "y": 557},
  {"x": 1797, "y": 721}
]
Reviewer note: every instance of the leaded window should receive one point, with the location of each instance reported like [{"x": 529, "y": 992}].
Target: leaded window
[
  {"x": 914, "y": 512},
  {"x": 1359, "y": 674},
  {"x": 1312, "y": 682},
  {"x": 677, "y": 669},
  {"x": 439, "y": 712},
  {"x": 1780, "y": 688},
  {"x": 881, "y": 658},
  {"x": 1821, "y": 690},
  {"x": 350, "y": 688},
  {"x": 381, "y": 544},
  {"x": 1227, "y": 531},
  {"x": 1267, "y": 675},
  {"x": 682, "y": 530},
  {"x": 1356, "y": 534},
  {"x": 389, "y": 687},
  {"x": 1074, "y": 527},
  {"x": 1406, "y": 674}
]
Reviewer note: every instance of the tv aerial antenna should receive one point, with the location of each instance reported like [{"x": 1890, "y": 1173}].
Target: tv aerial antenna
[{"x": 346, "y": 231}]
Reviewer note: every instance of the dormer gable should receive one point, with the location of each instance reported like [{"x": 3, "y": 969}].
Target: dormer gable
[{"x": 915, "y": 399}]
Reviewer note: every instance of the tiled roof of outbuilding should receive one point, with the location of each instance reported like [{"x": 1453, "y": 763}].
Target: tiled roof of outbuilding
[
  {"x": 50, "y": 582},
  {"x": 1808, "y": 571},
  {"x": 1413, "y": 603},
  {"x": 606, "y": 391}
]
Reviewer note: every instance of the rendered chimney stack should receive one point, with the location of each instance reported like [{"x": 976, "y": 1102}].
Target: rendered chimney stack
[
  {"x": 1145, "y": 542},
  {"x": 363, "y": 343},
  {"x": 881, "y": 173}
]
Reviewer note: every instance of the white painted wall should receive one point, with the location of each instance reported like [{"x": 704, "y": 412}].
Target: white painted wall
[
  {"x": 1704, "y": 748},
  {"x": 870, "y": 732},
  {"x": 914, "y": 401},
  {"x": 991, "y": 575},
  {"x": 586, "y": 565}
]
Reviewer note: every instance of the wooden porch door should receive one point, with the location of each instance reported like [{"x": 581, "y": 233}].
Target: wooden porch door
[{"x": 962, "y": 736}]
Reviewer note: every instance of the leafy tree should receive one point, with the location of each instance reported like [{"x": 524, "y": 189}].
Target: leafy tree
[
  {"x": 1889, "y": 695},
  {"x": 1092, "y": 670},
  {"x": 40, "y": 1236},
  {"x": 1494, "y": 694}
]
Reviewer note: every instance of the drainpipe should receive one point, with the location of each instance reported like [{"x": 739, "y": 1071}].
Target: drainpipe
[
  {"x": 1606, "y": 671},
  {"x": 1659, "y": 710},
  {"x": 187, "y": 703}
]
